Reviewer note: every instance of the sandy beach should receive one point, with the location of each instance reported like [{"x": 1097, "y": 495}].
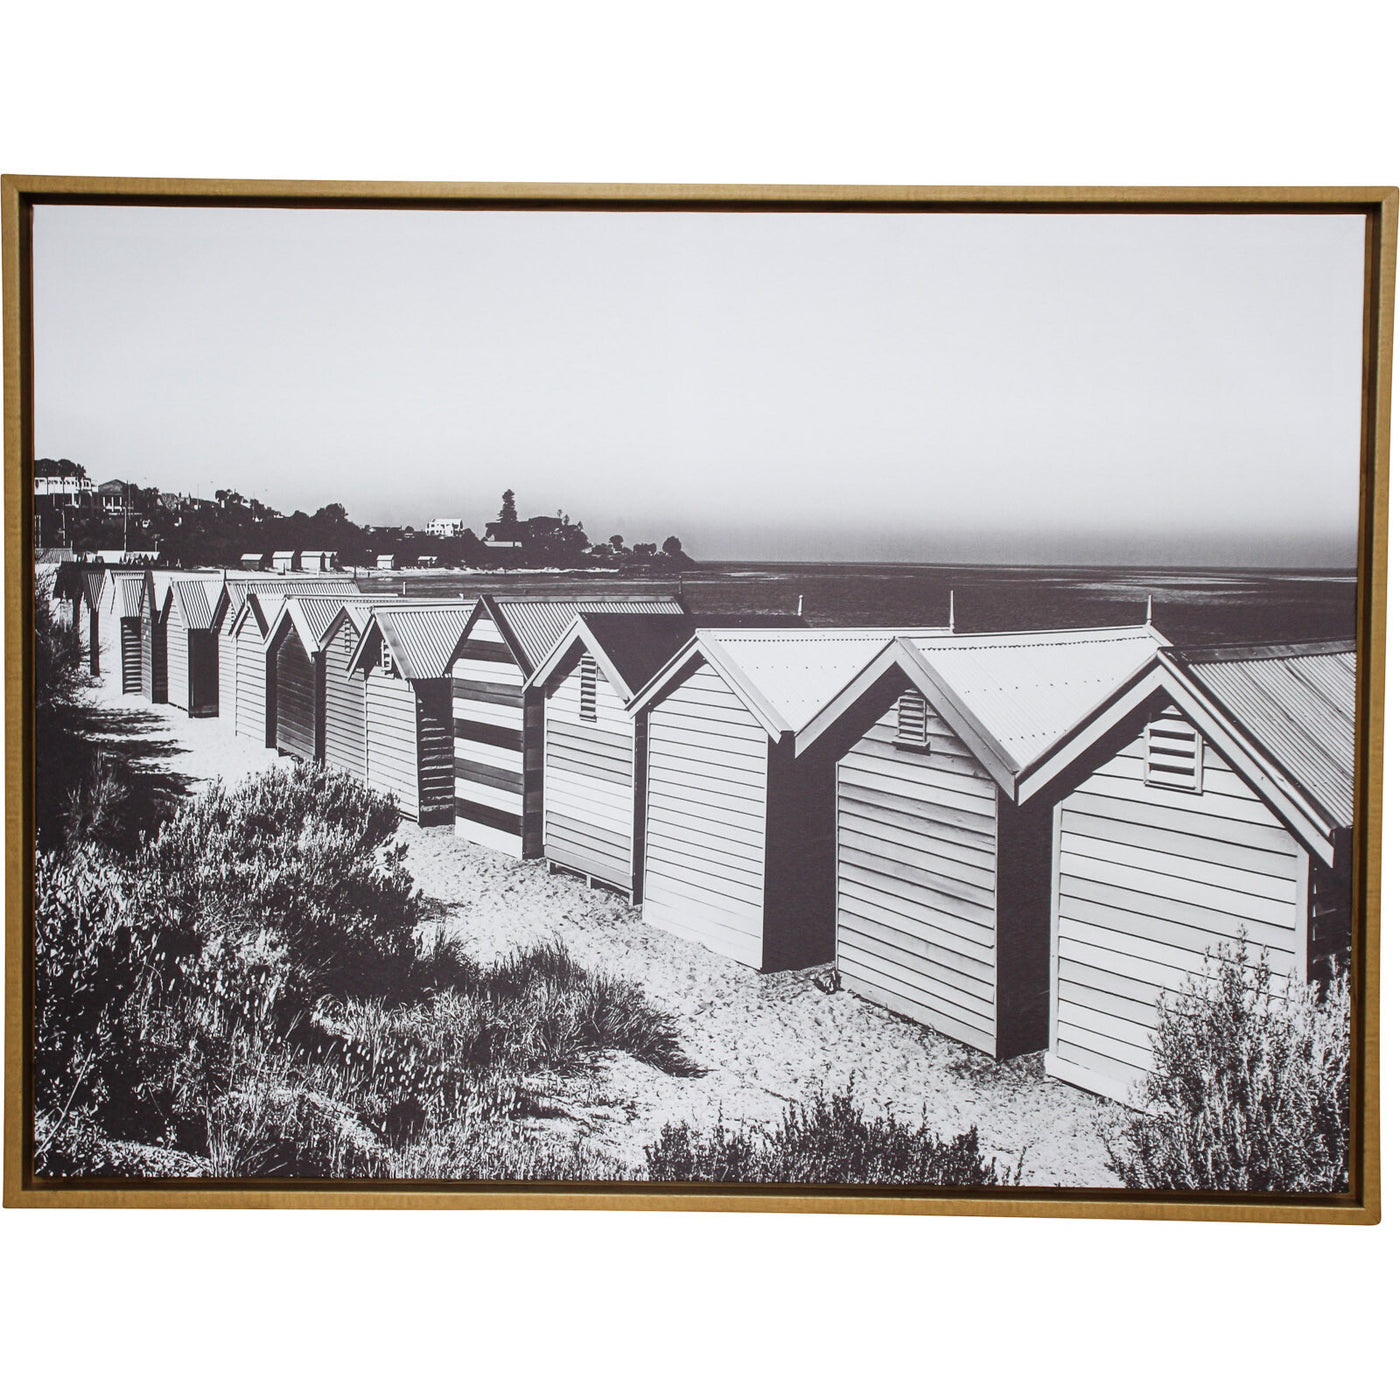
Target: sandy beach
[{"x": 762, "y": 1040}]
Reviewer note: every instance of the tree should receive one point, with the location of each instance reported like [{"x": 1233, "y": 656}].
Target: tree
[
  {"x": 616, "y": 541},
  {"x": 508, "y": 515},
  {"x": 672, "y": 546}
]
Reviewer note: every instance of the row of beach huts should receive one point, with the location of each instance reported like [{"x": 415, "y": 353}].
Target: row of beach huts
[{"x": 1020, "y": 839}]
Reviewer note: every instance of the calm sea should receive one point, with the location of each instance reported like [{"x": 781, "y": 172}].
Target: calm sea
[{"x": 1190, "y": 606}]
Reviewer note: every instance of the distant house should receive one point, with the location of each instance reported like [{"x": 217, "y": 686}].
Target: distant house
[
  {"x": 445, "y": 526},
  {"x": 113, "y": 496},
  {"x": 286, "y": 561},
  {"x": 384, "y": 561},
  {"x": 61, "y": 487}
]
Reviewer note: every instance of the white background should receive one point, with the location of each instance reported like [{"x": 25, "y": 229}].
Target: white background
[{"x": 622, "y": 1304}]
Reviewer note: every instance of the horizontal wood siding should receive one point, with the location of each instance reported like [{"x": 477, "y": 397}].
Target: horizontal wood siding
[
  {"x": 589, "y": 796},
  {"x": 177, "y": 663},
  {"x": 391, "y": 738},
  {"x": 228, "y": 677},
  {"x": 345, "y": 704},
  {"x": 131, "y": 655},
  {"x": 488, "y": 720},
  {"x": 916, "y": 880},
  {"x": 153, "y": 671},
  {"x": 295, "y": 698},
  {"x": 250, "y": 720},
  {"x": 435, "y": 751},
  {"x": 1146, "y": 881},
  {"x": 705, "y": 818}
]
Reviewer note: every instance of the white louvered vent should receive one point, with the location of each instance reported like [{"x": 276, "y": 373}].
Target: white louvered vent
[
  {"x": 1172, "y": 755},
  {"x": 588, "y": 688},
  {"x": 912, "y": 731}
]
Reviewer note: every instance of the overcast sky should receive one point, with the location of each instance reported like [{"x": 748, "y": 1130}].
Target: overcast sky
[{"x": 1097, "y": 388}]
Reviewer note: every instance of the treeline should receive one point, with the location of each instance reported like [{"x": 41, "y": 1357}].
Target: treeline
[{"x": 221, "y": 531}]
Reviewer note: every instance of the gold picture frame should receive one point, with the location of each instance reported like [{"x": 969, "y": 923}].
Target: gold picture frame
[{"x": 20, "y": 194}]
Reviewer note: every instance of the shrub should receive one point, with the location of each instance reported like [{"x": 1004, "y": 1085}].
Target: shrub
[
  {"x": 825, "y": 1141},
  {"x": 295, "y": 861},
  {"x": 1251, "y": 1090}
]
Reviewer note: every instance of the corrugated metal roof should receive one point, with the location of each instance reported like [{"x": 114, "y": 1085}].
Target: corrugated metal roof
[
  {"x": 638, "y": 645},
  {"x": 422, "y": 640},
  {"x": 236, "y": 589},
  {"x": 311, "y": 614},
  {"x": 536, "y": 624},
  {"x": 133, "y": 590},
  {"x": 195, "y": 598},
  {"x": 1298, "y": 704},
  {"x": 94, "y": 585},
  {"x": 1027, "y": 690},
  {"x": 793, "y": 674}
]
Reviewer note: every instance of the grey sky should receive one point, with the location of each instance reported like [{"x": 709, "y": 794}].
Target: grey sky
[{"x": 785, "y": 386}]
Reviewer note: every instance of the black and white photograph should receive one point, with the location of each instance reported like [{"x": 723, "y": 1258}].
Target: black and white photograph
[{"x": 714, "y": 697}]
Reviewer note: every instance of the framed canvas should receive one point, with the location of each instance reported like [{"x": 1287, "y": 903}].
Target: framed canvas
[{"x": 721, "y": 698}]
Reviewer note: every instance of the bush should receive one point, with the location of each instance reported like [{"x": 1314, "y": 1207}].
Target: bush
[
  {"x": 1251, "y": 1090},
  {"x": 295, "y": 862},
  {"x": 825, "y": 1141}
]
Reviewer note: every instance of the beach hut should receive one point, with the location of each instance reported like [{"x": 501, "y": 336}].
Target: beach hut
[
  {"x": 253, "y": 561},
  {"x": 154, "y": 595},
  {"x": 125, "y": 596},
  {"x": 593, "y": 747},
  {"x": 739, "y": 832},
  {"x": 241, "y": 629},
  {"x": 499, "y": 729},
  {"x": 1218, "y": 804},
  {"x": 403, "y": 663},
  {"x": 92, "y": 588},
  {"x": 286, "y": 561},
  {"x": 943, "y": 824},
  {"x": 192, "y": 645},
  {"x": 384, "y": 561},
  {"x": 295, "y": 659}
]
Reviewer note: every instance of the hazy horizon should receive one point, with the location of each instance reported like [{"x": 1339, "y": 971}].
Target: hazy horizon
[{"x": 949, "y": 388}]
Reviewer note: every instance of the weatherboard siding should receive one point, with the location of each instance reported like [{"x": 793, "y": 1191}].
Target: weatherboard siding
[
  {"x": 153, "y": 648},
  {"x": 589, "y": 793},
  {"x": 250, "y": 719},
  {"x": 916, "y": 880},
  {"x": 177, "y": 662},
  {"x": 391, "y": 727},
  {"x": 489, "y": 727},
  {"x": 1146, "y": 882},
  {"x": 436, "y": 757},
  {"x": 345, "y": 703},
  {"x": 228, "y": 677},
  {"x": 706, "y": 815},
  {"x": 131, "y": 655},
  {"x": 295, "y": 697}
]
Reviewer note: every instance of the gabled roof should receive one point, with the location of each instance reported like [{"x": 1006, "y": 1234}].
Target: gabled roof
[
  {"x": 421, "y": 639},
  {"x": 309, "y": 614},
  {"x": 236, "y": 587},
  {"x": 785, "y": 677},
  {"x": 162, "y": 581},
  {"x": 1297, "y": 704},
  {"x": 94, "y": 586},
  {"x": 531, "y": 626},
  {"x": 193, "y": 599},
  {"x": 632, "y": 647}
]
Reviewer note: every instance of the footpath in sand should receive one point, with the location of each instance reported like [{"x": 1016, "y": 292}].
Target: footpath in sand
[{"x": 763, "y": 1041}]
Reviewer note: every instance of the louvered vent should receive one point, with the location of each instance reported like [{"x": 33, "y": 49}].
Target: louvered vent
[
  {"x": 386, "y": 658},
  {"x": 912, "y": 730},
  {"x": 588, "y": 688},
  {"x": 1172, "y": 754}
]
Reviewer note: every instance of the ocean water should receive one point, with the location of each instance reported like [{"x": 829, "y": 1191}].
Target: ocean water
[{"x": 1189, "y": 606}]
